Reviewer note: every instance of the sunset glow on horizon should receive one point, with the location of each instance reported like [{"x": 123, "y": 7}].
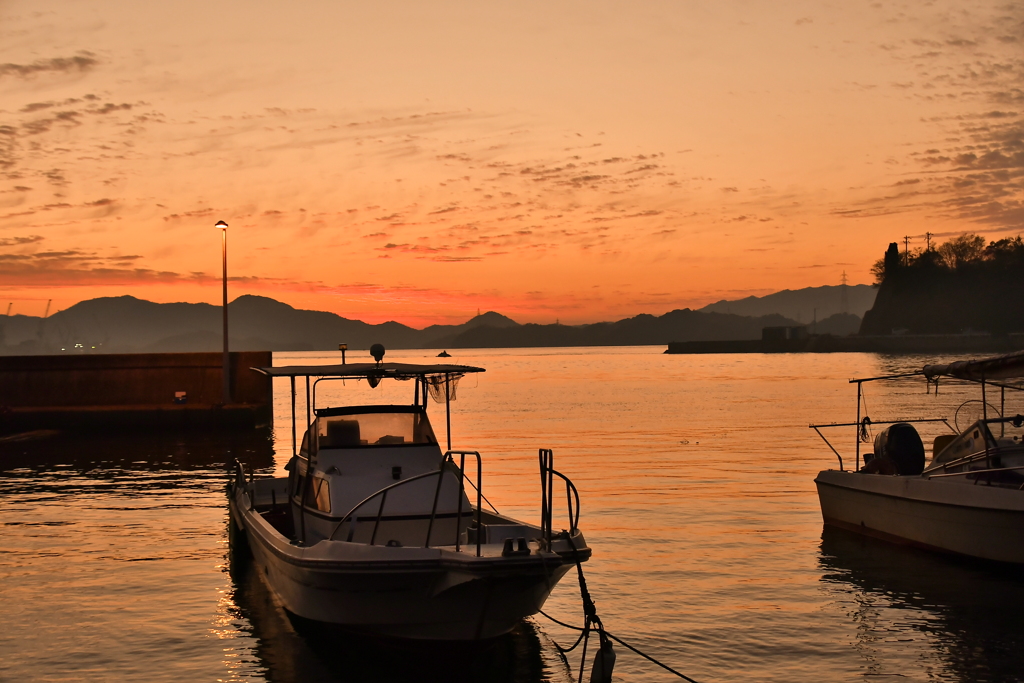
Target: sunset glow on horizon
[{"x": 571, "y": 161}]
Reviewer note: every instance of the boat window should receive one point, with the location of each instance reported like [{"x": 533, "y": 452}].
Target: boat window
[
  {"x": 318, "y": 495},
  {"x": 974, "y": 440},
  {"x": 375, "y": 429}
]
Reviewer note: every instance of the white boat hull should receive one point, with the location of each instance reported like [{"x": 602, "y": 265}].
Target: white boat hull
[
  {"x": 404, "y": 592},
  {"x": 979, "y": 521}
]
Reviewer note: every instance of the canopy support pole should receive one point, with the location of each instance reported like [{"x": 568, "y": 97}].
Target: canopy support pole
[
  {"x": 295, "y": 448},
  {"x": 984, "y": 401},
  {"x": 448, "y": 410},
  {"x": 984, "y": 416},
  {"x": 309, "y": 466},
  {"x": 856, "y": 467},
  {"x": 1002, "y": 410}
]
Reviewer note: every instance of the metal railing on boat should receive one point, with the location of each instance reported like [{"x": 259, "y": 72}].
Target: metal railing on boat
[
  {"x": 449, "y": 458},
  {"x": 862, "y": 426},
  {"x": 547, "y": 475}
]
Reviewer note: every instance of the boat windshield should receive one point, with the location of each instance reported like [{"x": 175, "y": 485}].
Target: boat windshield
[
  {"x": 374, "y": 429},
  {"x": 1006, "y": 434}
]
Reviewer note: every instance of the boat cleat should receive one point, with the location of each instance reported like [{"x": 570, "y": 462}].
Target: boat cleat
[{"x": 513, "y": 547}]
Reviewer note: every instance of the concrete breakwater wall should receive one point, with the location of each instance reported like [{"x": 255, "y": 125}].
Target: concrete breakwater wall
[
  {"x": 163, "y": 390},
  {"x": 896, "y": 344}
]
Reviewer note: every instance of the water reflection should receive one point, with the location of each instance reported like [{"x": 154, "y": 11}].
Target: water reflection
[
  {"x": 294, "y": 649},
  {"x": 90, "y": 452},
  {"x": 967, "y": 611}
]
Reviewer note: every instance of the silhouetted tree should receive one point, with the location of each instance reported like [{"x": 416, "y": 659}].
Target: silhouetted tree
[
  {"x": 962, "y": 284},
  {"x": 960, "y": 251}
]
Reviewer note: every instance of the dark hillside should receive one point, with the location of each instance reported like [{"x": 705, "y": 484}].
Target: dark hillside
[
  {"x": 129, "y": 325},
  {"x": 679, "y": 325},
  {"x": 962, "y": 286},
  {"x": 802, "y": 305}
]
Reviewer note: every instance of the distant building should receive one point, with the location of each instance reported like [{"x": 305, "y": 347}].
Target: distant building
[{"x": 790, "y": 333}]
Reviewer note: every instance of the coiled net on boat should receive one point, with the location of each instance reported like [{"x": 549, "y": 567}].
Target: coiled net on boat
[{"x": 436, "y": 386}]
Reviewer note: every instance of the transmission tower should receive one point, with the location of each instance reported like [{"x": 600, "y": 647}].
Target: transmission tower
[{"x": 844, "y": 299}]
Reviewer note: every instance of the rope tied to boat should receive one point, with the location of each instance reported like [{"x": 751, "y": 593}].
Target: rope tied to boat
[
  {"x": 865, "y": 434},
  {"x": 604, "y": 662}
]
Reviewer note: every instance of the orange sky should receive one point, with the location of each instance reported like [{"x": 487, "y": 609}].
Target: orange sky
[{"x": 416, "y": 162}]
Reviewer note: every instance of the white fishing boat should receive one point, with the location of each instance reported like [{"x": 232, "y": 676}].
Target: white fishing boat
[
  {"x": 375, "y": 529},
  {"x": 967, "y": 499}
]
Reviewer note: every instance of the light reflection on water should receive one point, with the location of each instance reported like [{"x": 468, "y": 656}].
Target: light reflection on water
[{"x": 696, "y": 479}]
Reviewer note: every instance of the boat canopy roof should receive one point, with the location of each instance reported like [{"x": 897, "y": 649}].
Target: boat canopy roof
[
  {"x": 1010, "y": 366},
  {"x": 374, "y": 370}
]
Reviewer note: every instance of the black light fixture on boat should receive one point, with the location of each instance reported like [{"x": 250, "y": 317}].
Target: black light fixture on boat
[{"x": 377, "y": 351}]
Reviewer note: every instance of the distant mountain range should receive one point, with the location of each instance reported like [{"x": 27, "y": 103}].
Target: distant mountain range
[
  {"x": 129, "y": 325},
  {"x": 803, "y": 305}
]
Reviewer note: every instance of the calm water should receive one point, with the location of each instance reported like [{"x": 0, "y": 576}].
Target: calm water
[{"x": 696, "y": 476}]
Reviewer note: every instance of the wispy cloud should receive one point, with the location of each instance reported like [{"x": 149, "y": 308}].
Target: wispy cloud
[{"x": 83, "y": 61}]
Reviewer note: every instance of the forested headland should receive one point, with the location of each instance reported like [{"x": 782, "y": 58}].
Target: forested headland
[{"x": 964, "y": 285}]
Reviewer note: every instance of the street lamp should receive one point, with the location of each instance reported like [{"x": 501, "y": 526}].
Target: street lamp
[{"x": 224, "y": 258}]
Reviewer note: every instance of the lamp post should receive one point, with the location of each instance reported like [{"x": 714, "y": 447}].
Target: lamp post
[{"x": 224, "y": 259}]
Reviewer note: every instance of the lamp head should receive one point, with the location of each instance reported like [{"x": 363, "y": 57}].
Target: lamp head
[
  {"x": 377, "y": 351},
  {"x": 222, "y": 225}
]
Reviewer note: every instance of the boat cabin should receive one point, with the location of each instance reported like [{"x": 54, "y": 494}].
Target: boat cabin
[{"x": 376, "y": 473}]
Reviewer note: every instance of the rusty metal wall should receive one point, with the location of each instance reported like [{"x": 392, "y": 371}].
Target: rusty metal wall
[{"x": 147, "y": 379}]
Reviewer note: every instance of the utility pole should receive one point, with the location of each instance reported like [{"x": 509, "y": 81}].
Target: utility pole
[
  {"x": 928, "y": 241},
  {"x": 906, "y": 250}
]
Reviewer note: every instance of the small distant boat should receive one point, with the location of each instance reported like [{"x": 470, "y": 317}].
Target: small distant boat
[
  {"x": 444, "y": 354},
  {"x": 967, "y": 500},
  {"x": 376, "y": 530}
]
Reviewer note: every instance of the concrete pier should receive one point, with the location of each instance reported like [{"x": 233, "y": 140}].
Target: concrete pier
[{"x": 893, "y": 344}]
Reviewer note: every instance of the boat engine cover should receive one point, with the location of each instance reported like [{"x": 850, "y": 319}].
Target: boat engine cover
[{"x": 901, "y": 444}]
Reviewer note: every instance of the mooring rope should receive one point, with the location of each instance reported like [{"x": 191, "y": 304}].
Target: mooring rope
[
  {"x": 591, "y": 618},
  {"x": 620, "y": 641}
]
